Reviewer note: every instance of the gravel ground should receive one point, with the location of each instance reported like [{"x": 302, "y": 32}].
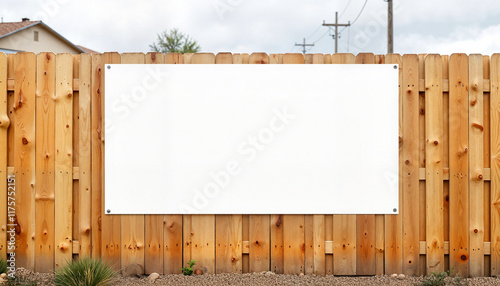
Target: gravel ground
[{"x": 267, "y": 278}]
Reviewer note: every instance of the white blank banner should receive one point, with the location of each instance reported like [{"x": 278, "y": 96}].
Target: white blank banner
[{"x": 251, "y": 139}]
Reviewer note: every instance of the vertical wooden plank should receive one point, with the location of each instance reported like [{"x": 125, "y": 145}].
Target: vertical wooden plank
[
  {"x": 153, "y": 257},
  {"x": 76, "y": 154},
  {"x": 459, "y": 165},
  {"x": 495, "y": 162},
  {"x": 276, "y": 221},
  {"x": 476, "y": 182},
  {"x": 394, "y": 223},
  {"x": 421, "y": 157},
  {"x": 172, "y": 232},
  {"x": 11, "y": 117},
  {"x": 293, "y": 225},
  {"x": 410, "y": 176},
  {"x": 366, "y": 224},
  {"x": 201, "y": 232},
  {"x": 132, "y": 226},
  {"x": 228, "y": 232},
  {"x": 228, "y": 243},
  {"x": 434, "y": 163},
  {"x": 277, "y": 249},
  {"x": 329, "y": 237},
  {"x": 106, "y": 228},
  {"x": 258, "y": 225},
  {"x": 45, "y": 153},
  {"x": 319, "y": 244},
  {"x": 486, "y": 162},
  {"x": 85, "y": 159},
  {"x": 308, "y": 233},
  {"x": 95, "y": 141},
  {"x": 24, "y": 160},
  {"x": 4, "y": 125},
  {"x": 446, "y": 163},
  {"x": 64, "y": 159},
  {"x": 172, "y": 239},
  {"x": 344, "y": 226},
  {"x": 259, "y": 235}
]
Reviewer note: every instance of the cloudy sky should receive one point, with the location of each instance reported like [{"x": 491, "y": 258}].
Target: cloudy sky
[{"x": 272, "y": 26}]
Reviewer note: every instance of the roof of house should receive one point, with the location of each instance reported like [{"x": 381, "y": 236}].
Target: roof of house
[
  {"x": 87, "y": 50},
  {"x": 9, "y": 28}
]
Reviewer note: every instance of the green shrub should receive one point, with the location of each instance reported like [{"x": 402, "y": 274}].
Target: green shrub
[
  {"x": 85, "y": 272},
  {"x": 442, "y": 279},
  {"x": 3, "y": 266},
  {"x": 188, "y": 270}
]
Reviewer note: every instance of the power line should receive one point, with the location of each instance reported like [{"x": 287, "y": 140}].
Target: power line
[
  {"x": 356, "y": 17},
  {"x": 360, "y": 12},
  {"x": 345, "y": 8},
  {"x": 313, "y": 32},
  {"x": 322, "y": 36}
]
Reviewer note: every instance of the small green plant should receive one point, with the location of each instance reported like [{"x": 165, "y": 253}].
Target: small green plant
[
  {"x": 189, "y": 269},
  {"x": 3, "y": 266},
  {"x": 442, "y": 278},
  {"x": 85, "y": 272}
]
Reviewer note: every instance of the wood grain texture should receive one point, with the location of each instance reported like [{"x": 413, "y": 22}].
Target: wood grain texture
[
  {"x": 259, "y": 237},
  {"x": 45, "y": 168},
  {"x": 64, "y": 159},
  {"x": 486, "y": 161},
  {"x": 365, "y": 224},
  {"x": 153, "y": 231},
  {"x": 476, "y": 163},
  {"x": 4, "y": 126},
  {"x": 76, "y": 153},
  {"x": 132, "y": 226},
  {"x": 106, "y": 228},
  {"x": 172, "y": 240},
  {"x": 495, "y": 162},
  {"x": 24, "y": 159},
  {"x": 394, "y": 223},
  {"x": 344, "y": 226},
  {"x": 459, "y": 164},
  {"x": 11, "y": 127},
  {"x": 85, "y": 155},
  {"x": 277, "y": 244},
  {"x": 410, "y": 178},
  {"x": 434, "y": 163}
]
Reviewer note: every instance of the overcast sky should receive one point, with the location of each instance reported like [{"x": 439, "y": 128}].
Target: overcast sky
[{"x": 272, "y": 26}]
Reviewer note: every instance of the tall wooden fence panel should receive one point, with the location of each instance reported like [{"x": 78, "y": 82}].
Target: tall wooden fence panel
[{"x": 52, "y": 144}]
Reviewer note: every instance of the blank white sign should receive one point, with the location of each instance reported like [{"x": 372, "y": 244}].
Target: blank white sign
[{"x": 251, "y": 139}]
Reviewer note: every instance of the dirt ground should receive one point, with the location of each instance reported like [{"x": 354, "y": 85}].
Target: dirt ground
[{"x": 265, "y": 278}]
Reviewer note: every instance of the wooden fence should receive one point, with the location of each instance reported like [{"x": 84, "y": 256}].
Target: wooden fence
[{"x": 51, "y": 139}]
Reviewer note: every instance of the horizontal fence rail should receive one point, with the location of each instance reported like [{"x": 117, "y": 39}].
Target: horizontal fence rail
[{"x": 52, "y": 147}]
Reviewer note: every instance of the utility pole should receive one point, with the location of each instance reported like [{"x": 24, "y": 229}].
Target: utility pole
[
  {"x": 304, "y": 45},
  {"x": 390, "y": 35},
  {"x": 336, "y": 25}
]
